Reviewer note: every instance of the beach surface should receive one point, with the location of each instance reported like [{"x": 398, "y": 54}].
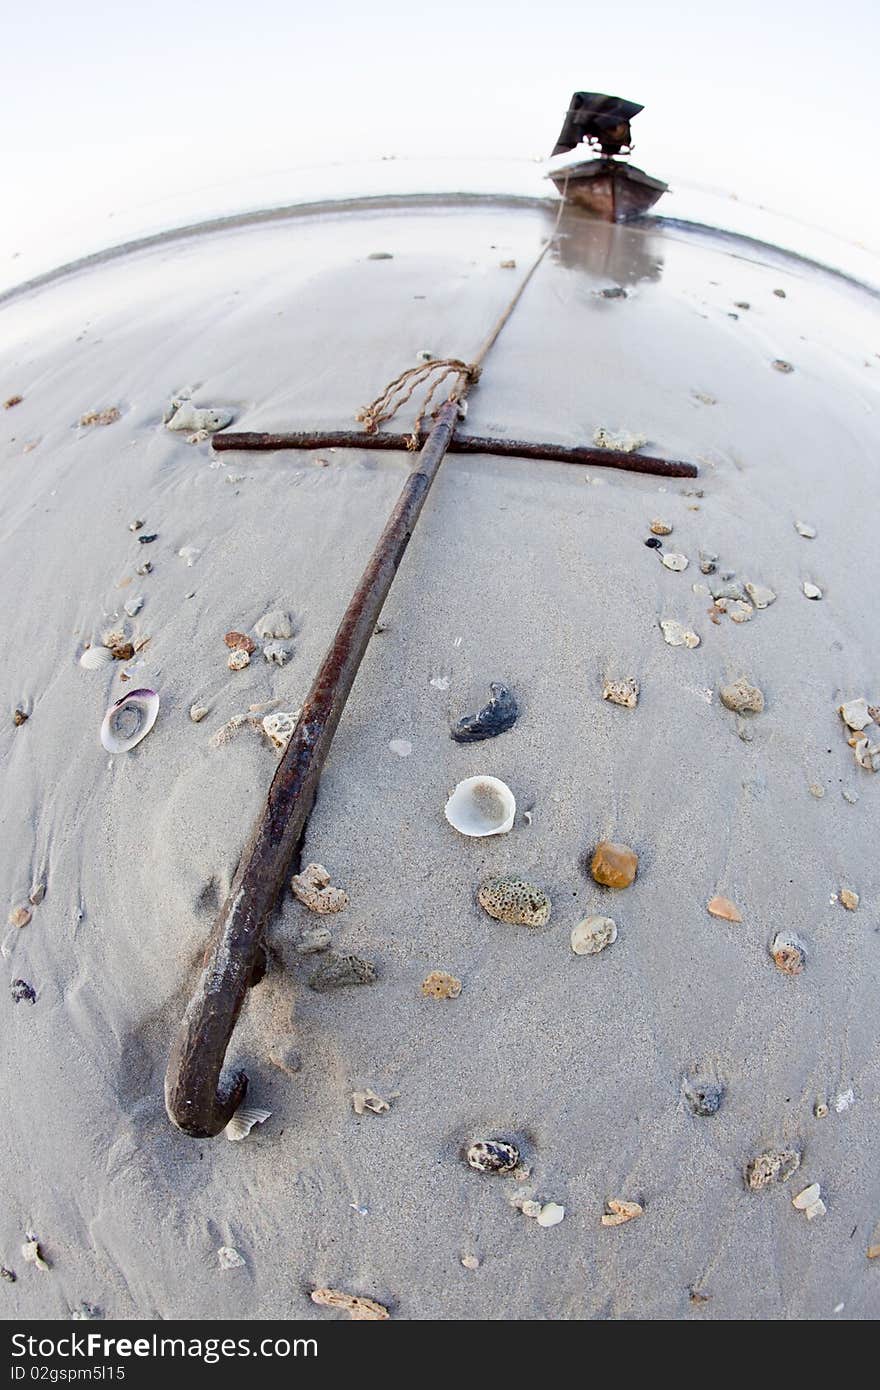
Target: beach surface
[{"x": 532, "y": 574}]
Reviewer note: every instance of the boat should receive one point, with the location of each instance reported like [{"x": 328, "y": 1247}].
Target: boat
[{"x": 607, "y": 187}]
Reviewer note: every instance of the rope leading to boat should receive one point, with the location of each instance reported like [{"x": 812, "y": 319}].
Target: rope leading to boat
[{"x": 432, "y": 374}]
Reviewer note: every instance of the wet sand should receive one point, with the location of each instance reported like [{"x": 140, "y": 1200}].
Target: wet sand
[{"x": 534, "y": 574}]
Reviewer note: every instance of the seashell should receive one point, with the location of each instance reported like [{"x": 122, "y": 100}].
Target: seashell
[
  {"x": 274, "y": 624},
  {"x": 622, "y": 692},
  {"x": 818, "y": 1208},
  {"x": 614, "y": 865},
  {"x": 129, "y": 720},
  {"x": 760, "y": 595},
  {"x": 807, "y": 1197},
  {"x": 312, "y": 887},
  {"x": 279, "y": 727},
  {"x": 494, "y": 718},
  {"x": 703, "y": 1097},
  {"x": 316, "y": 939},
  {"x": 362, "y": 1101},
  {"x": 492, "y": 1155},
  {"x": 772, "y": 1166},
  {"x": 20, "y": 916},
  {"x": 481, "y": 806},
  {"x": 440, "y": 985},
  {"x": 811, "y": 590},
  {"x": 240, "y": 641},
  {"x": 660, "y": 528},
  {"x": 32, "y": 1253},
  {"x": 243, "y": 1121},
  {"x": 671, "y": 561},
  {"x": 677, "y": 635},
  {"x": 95, "y": 657},
  {"x": 145, "y": 568},
  {"x": 514, "y": 900},
  {"x": 358, "y": 1309},
  {"x": 229, "y": 1258},
  {"x": 741, "y": 697},
  {"x": 619, "y": 1212},
  {"x": 724, "y": 908},
  {"x": 238, "y": 659},
  {"x": 136, "y": 525},
  {"x": 336, "y": 972},
  {"x": 134, "y": 605},
  {"x": 197, "y": 712},
  {"x": 740, "y": 612},
  {"x": 789, "y": 953},
  {"x": 277, "y": 652},
  {"x": 804, "y": 529},
  {"x": 473, "y": 1261},
  {"x": 592, "y": 935},
  {"x": 855, "y": 713},
  {"x": 550, "y": 1214},
  {"x": 848, "y": 898}
]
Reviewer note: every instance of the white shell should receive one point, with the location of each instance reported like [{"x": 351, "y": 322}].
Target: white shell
[
  {"x": 229, "y": 1258},
  {"x": 481, "y": 806},
  {"x": 129, "y": 720},
  {"x": 134, "y": 605},
  {"x": 806, "y": 1198},
  {"x": 674, "y": 562},
  {"x": 550, "y": 1214},
  {"x": 274, "y": 624},
  {"x": 243, "y": 1121},
  {"x": 95, "y": 657}
]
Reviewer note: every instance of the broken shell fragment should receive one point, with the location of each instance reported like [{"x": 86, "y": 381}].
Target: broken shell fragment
[
  {"x": 724, "y": 908},
  {"x": 440, "y": 985},
  {"x": 274, "y": 624},
  {"x": 499, "y": 715},
  {"x": 229, "y": 1258},
  {"x": 817, "y": 1208},
  {"x": 703, "y": 1097},
  {"x": 32, "y": 1253},
  {"x": 592, "y": 935},
  {"x": 708, "y": 562},
  {"x": 312, "y": 887},
  {"x": 741, "y": 697},
  {"x": 363, "y": 1101},
  {"x": 622, "y": 692},
  {"x": 854, "y": 713},
  {"x": 197, "y": 713},
  {"x": 20, "y": 916},
  {"x": 481, "y": 806},
  {"x": 807, "y": 1197},
  {"x": 812, "y": 590},
  {"x": 358, "y": 1309},
  {"x": 336, "y": 972},
  {"x": 671, "y": 561},
  {"x": 677, "y": 635},
  {"x": 93, "y": 658},
  {"x": 789, "y": 953},
  {"x": 514, "y": 900},
  {"x": 243, "y": 1121},
  {"x": 660, "y": 528},
  {"x": 239, "y": 641},
  {"x": 772, "y": 1166},
  {"x": 613, "y": 865},
  {"x": 279, "y": 727},
  {"x": 134, "y": 605},
  {"x": 551, "y": 1214},
  {"x": 760, "y": 595},
  {"x": 493, "y": 1155},
  {"x": 804, "y": 529},
  {"x": 619, "y": 1212},
  {"x": 129, "y": 720},
  {"x": 238, "y": 659}
]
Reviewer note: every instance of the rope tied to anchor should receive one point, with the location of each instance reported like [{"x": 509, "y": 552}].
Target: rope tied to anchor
[{"x": 399, "y": 391}]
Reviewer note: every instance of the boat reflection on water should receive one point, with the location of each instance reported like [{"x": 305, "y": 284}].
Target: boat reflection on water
[{"x": 619, "y": 254}]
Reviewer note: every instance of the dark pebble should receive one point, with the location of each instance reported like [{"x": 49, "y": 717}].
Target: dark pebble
[{"x": 654, "y": 542}]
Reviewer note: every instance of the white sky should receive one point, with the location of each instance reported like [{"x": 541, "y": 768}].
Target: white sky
[{"x": 107, "y": 108}]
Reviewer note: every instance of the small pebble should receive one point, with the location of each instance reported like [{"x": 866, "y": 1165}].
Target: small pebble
[
  {"x": 19, "y": 717},
  {"x": 782, "y": 366},
  {"x": 22, "y": 991},
  {"x": 592, "y": 935},
  {"x": 849, "y": 899},
  {"x": 134, "y": 605},
  {"x": 807, "y": 1197},
  {"x": 239, "y": 641},
  {"x": 622, "y": 692},
  {"x": 613, "y": 292},
  {"x": 492, "y": 1155},
  {"x": 804, "y": 529},
  {"x": 708, "y": 562},
  {"x": 677, "y": 635},
  {"x": 148, "y": 540},
  {"x": 654, "y": 543},
  {"x": 363, "y": 1101},
  {"x": 507, "y": 265},
  {"x": 724, "y": 908},
  {"x": 37, "y": 894},
  {"x": 197, "y": 712},
  {"x": 380, "y": 256},
  {"x": 440, "y": 985},
  {"x": 760, "y": 595},
  {"x": 703, "y": 1097},
  {"x": 820, "y": 1109},
  {"x": 11, "y": 401},
  {"x": 9, "y": 1275},
  {"x": 313, "y": 940},
  {"x": 742, "y": 697},
  {"x": 660, "y": 528},
  {"x": 812, "y": 590},
  {"x": 135, "y": 525},
  {"x": 816, "y": 790},
  {"x": 780, "y": 294},
  {"x": 145, "y": 568},
  {"x": 229, "y": 1258},
  {"x": 20, "y": 916},
  {"x": 238, "y": 659},
  {"x": 470, "y": 1261},
  {"x": 614, "y": 865}
]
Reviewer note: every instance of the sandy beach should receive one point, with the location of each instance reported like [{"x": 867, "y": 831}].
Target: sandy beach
[{"x": 529, "y": 573}]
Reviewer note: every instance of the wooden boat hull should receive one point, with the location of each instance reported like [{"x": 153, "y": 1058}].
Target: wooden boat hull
[{"x": 613, "y": 191}]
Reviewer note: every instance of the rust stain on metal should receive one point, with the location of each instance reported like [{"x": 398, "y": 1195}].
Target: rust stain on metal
[{"x": 460, "y": 444}]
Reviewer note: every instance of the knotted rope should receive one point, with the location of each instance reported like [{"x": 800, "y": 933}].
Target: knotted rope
[{"x": 466, "y": 374}]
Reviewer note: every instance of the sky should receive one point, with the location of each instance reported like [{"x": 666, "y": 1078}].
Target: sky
[{"x": 106, "y": 109}]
